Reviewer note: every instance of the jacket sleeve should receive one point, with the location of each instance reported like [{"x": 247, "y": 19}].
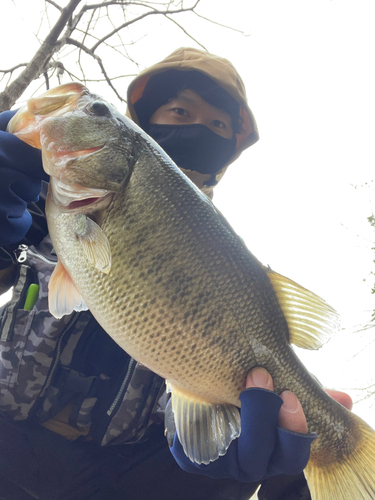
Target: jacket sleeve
[{"x": 21, "y": 174}]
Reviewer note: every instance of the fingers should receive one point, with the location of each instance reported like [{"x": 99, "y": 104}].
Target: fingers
[
  {"x": 291, "y": 414},
  {"x": 259, "y": 377},
  {"x": 341, "y": 397}
]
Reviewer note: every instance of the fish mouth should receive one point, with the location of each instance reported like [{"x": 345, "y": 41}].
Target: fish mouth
[
  {"x": 77, "y": 198},
  {"x": 69, "y": 153},
  {"x": 85, "y": 202}
]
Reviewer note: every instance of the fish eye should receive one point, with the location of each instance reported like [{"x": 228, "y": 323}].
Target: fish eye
[{"x": 99, "y": 108}]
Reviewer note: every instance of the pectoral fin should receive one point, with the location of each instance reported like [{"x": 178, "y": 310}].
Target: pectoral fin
[
  {"x": 310, "y": 319},
  {"x": 94, "y": 243},
  {"x": 205, "y": 430},
  {"x": 63, "y": 296}
]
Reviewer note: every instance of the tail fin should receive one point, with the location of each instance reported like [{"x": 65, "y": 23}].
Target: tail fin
[{"x": 353, "y": 477}]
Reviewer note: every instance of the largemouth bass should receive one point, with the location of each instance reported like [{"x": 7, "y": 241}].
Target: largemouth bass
[{"x": 169, "y": 280}]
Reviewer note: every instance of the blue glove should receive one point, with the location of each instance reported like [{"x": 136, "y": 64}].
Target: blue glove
[
  {"x": 21, "y": 174},
  {"x": 262, "y": 450}
]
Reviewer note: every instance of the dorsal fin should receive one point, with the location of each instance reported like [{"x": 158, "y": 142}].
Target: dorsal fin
[{"x": 310, "y": 319}]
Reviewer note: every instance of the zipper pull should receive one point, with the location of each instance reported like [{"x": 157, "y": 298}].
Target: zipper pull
[{"x": 21, "y": 253}]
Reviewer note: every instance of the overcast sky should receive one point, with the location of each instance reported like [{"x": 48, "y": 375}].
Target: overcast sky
[{"x": 308, "y": 66}]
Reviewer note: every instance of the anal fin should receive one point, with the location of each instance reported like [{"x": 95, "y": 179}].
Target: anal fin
[
  {"x": 63, "y": 296},
  {"x": 205, "y": 430}
]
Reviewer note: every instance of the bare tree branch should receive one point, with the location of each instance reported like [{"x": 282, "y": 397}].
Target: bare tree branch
[
  {"x": 219, "y": 24},
  {"x": 36, "y": 65},
  {"x": 186, "y": 33},
  {"x": 105, "y": 4},
  {"x": 55, "y": 5},
  {"x": 99, "y": 61},
  {"x": 83, "y": 43},
  {"x": 83, "y": 28},
  {"x": 45, "y": 74},
  {"x": 13, "y": 69},
  {"x": 10, "y": 71},
  {"x": 142, "y": 16}
]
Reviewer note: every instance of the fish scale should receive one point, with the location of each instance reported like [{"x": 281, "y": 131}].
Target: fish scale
[{"x": 170, "y": 281}]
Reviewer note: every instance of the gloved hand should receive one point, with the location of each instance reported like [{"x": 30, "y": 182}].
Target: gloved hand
[
  {"x": 21, "y": 174},
  {"x": 263, "y": 449}
]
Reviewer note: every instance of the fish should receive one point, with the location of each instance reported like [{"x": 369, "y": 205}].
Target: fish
[{"x": 171, "y": 282}]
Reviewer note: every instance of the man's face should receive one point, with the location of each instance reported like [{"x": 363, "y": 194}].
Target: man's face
[{"x": 189, "y": 108}]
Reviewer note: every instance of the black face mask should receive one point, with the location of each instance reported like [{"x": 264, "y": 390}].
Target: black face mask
[{"x": 194, "y": 147}]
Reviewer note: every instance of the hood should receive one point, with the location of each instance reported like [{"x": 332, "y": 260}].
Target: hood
[{"x": 222, "y": 72}]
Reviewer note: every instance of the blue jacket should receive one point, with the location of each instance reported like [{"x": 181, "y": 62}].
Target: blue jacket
[{"x": 18, "y": 187}]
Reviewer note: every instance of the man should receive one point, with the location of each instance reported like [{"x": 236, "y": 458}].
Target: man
[{"x": 80, "y": 418}]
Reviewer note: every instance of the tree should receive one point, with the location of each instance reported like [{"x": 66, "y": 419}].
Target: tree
[{"x": 89, "y": 31}]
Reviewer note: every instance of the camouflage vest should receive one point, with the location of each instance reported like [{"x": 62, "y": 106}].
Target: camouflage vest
[{"x": 47, "y": 364}]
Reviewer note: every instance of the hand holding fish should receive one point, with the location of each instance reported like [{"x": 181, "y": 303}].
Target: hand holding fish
[
  {"x": 274, "y": 438},
  {"x": 291, "y": 415},
  {"x": 263, "y": 413}
]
